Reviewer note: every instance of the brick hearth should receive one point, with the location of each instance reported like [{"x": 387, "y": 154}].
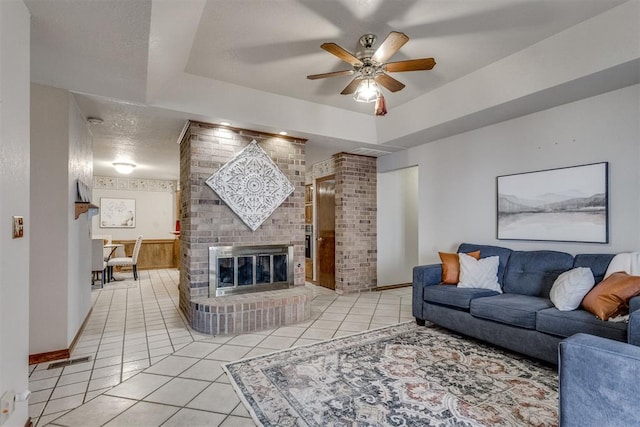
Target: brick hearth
[{"x": 237, "y": 314}]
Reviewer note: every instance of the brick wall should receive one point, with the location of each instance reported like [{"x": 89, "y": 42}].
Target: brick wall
[
  {"x": 206, "y": 221},
  {"x": 356, "y": 223}
]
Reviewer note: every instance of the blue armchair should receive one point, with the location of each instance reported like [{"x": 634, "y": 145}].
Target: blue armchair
[{"x": 599, "y": 382}]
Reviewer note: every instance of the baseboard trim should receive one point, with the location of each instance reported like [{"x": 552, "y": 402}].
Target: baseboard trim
[
  {"x": 387, "y": 287},
  {"x": 50, "y": 356}
]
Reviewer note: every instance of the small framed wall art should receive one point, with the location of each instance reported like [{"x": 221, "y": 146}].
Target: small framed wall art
[
  {"x": 565, "y": 204},
  {"x": 117, "y": 213}
]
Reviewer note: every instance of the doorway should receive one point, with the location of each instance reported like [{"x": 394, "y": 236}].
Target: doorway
[
  {"x": 397, "y": 195},
  {"x": 326, "y": 231}
]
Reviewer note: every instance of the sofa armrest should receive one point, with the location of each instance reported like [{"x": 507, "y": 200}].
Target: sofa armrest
[
  {"x": 427, "y": 274},
  {"x": 598, "y": 382},
  {"x": 634, "y": 304},
  {"x": 423, "y": 275},
  {"x": 633, "y": 328}
]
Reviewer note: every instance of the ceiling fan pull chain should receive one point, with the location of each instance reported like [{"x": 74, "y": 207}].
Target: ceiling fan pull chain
[{"x": 381, "y": 106}]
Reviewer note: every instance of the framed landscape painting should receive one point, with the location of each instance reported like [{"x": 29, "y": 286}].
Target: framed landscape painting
[
  {"x": 566, "y": 205},
  {"x": 117, "y": 213}
]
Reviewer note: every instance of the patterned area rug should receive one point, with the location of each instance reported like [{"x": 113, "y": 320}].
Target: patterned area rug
[{"x": 401, "y": 375}]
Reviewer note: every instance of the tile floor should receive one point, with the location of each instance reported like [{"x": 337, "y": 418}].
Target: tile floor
[{"x": 148, "y": 368}]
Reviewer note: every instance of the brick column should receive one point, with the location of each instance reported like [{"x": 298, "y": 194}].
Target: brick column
[{"x": 356, "y": 223}]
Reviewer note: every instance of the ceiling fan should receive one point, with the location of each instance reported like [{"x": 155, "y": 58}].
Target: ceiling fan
[{"x": 371, "y": 68}]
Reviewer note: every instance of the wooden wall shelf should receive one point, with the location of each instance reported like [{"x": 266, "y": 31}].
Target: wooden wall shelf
[{"x": 82, "y": 207}]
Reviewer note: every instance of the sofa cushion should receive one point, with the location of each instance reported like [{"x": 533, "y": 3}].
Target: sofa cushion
[
  {"x": 451, "y": 266},
  {"x": 533, "y": 272},
  {"x": 487, "y": 251},
  {"x": 566, "y": 323},
  {"x": 511, "y": 309},
  {"x": 598, "y": 264},
  {"x": 453, "y": 296},
  {"x": 610, "y": 298}
]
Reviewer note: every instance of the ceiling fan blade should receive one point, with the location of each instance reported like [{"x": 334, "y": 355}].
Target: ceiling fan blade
[
  {"x": 351, "y": 87},
  {"x": 410, "y": 65},
  {"x": 332, "y": 74},
  {"x": 394, "y": 41},
  {"x": 341, "y": 53},
  {"x": 389, "y": 82}
]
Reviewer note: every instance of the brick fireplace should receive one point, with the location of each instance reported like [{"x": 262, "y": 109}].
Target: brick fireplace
[{"x": 207, "y": 222}]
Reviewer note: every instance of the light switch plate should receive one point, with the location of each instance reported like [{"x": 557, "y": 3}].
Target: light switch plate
[{"x": 18, "y": 227}]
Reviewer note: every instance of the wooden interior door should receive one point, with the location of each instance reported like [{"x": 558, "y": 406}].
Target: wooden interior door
[{"x": 326, "y": 231}]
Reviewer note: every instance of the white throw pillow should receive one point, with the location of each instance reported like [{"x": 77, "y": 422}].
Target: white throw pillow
[
  {"x": 570, "y": 288},
  {"x": 481, "y": 273}
]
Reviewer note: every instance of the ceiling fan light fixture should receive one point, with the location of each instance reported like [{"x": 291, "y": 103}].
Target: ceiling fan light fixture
[
  {"x": 124, "y": 167},
  {"x": 367, "y": 91}
]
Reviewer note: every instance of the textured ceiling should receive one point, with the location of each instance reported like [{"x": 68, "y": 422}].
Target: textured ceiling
[
  {"x": 145, "y": 66},
  {"x": 274, "y": 45}
]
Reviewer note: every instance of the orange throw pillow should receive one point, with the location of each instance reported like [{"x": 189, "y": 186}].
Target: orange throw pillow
[
  {"x": 451, "y": 266},
  {"x": 610, "y": 298}
]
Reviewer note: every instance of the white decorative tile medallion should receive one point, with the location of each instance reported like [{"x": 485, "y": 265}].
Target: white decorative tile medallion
[{"x": 252, "y": 185}]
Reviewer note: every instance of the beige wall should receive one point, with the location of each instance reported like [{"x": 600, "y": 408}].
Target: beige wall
[{"x": 155, "y": 214}]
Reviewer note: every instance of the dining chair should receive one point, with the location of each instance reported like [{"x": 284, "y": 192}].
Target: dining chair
[
  {"x": 98, "y": 265},
  {"x": 126, "y": 261},
  {"x": 106, "y": 240}
]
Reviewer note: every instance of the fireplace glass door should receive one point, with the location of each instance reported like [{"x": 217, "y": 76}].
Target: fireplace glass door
[
  {"x": 241, "y": 269},
  {"x": 226, "y": 269}
]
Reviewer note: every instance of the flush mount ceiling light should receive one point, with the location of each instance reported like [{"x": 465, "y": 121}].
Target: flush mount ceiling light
[
  {"x": 283, "y": 133},
  {"x": 124, "y": 167},
  {"x": 370, "y": 68},
  {"x": 225, "y": 123},
  {"x": 94, "y": 120}
]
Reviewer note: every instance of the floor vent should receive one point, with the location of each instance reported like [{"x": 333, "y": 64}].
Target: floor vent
[{"x": 69, "y": 362}]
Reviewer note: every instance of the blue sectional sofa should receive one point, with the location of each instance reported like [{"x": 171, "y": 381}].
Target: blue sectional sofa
[
  {"x": 598, "y": 382},
  {"x": 522, "y": 318}
]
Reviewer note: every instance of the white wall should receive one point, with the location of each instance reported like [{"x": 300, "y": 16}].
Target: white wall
[
  {"x": 155, "y": 214},
  {"x": 14, "y": 185},
  {"x": 397, "y": 225},
  {"x": 49, "y": 209},
  {"x": 60, "y": 267},
  {"x": 457, "y": 184},
  {"x": 79, "y": 237}
]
